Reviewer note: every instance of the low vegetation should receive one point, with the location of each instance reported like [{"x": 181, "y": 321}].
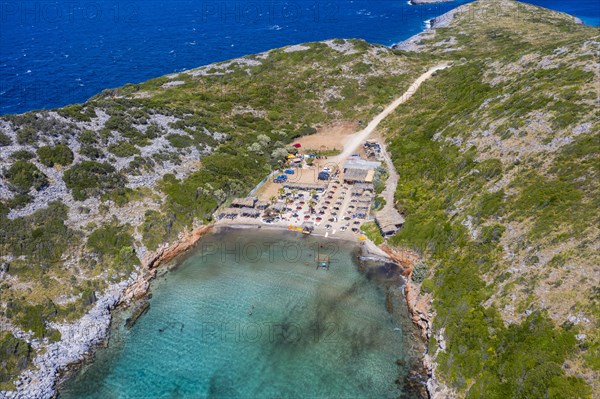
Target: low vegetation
[
  {"x": 60, "y": 154},
  {"x": 486, "y": 201},
  {"x": 15, "y": 355},
  {"x": 23, "y": 176},
  {"x": 90, "y": 178},
  {"x": 497, "y": 158},
  {"x": 371, "y": 230}
]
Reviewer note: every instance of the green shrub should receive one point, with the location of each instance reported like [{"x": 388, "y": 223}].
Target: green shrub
[
  {"x": 305, "y": 131},
  {"x": 371, "y": 230},
  {"x": 491, "y": 204},
  {"x": 552, "y": 203},
  {"x": 19, "y": 201},
  {"x": 5, "y": 140},
  {"x": 140, "y": 165},
  {"x": 179, "y": 140},
  {"x": 15, "y": 356},
  {"x": 33, "y": 317},
  {"x": 41, "y": 238},
  {"x": 491, "y": 234},
  {"x": 419, "y": 272},
  {"x": 89, "y": 178},
  {"x": 23, "y": 175},
  {"x": 123, "y": 149},
  {"x": 59, "y": 154},
  {"x": 91, "y": 151},
  {"x": 27, "y": 136},
  {"x": 22, "y": 155},
  {"x": 88, "y": 137},
  {"x": 157, "y": 229},
  {"x": 361, "y": 68},
  {"x": 113, "y": 244},
  {"x": 378, "y": 203}
]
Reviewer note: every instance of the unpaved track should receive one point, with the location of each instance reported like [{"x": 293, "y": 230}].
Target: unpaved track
[{"x": 353, "y": 142}]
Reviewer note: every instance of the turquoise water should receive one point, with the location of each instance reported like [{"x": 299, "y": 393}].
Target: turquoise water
[{"x": 254, "y": 321}]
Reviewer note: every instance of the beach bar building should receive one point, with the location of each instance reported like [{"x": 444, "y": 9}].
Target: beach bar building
[
  {"x": 389, "y": 221},
  {"x": 306, "y": 186},
  {"x": 229, "y": 213},
  {"x": 278, "y": 207},
  {"x": 247, "y": 202},
  {"x": 262, "y": 205},
  {"x": 358, "y": 170},
  {"x": 249, "y": 212}
]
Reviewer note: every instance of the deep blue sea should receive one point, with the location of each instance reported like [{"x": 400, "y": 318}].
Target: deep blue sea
[{"x": 57, "y": 52}]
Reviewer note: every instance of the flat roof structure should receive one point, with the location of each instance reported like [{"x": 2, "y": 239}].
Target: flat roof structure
[
  {"x": 247, "y": 202},
  {"x": 306, "y": 186},
  {"x": 357, "y": 163},
  {"x": 389, "y": 221}
]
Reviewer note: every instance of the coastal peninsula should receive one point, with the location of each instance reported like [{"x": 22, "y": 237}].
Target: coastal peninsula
[{"x": 490, "y": 161}]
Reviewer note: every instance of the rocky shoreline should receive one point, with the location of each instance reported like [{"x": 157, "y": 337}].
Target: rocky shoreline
[
  {"x": 419, "y": 307},
  {"x": 77, "y": 341},
  {"x": 139, "y": 288},
  {"x": 441, "y": 21}
]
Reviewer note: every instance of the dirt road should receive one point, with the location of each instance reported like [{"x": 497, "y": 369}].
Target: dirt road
[{"x": 353, "y": 142}]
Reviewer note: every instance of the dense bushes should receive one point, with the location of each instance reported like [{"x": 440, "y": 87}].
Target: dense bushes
[
  {"x": 15, "y": 356},
  {"x": 482, "y": 357},
  {"x": 549, "y": 202},
  {"x": 59, "y": 154},
  {"x": 179, "y": 140},
  {"x": 22, "y": 155},
  {"x": 41, "y": 238},
  {"x": 27, "y": 136},
  {"x": 113, "y": 244},
  {"x": 91, "y": 151},
  {"x": 157, "y": 229},
  {"x": 23, "y": 175},
  {"x": 123, "y": 149},
  {"x": 4, "y": 140},
  {"x": 89, "y": 178},
  {"x": 371, "y": 230},
  {"x": 223, "y": 175}
]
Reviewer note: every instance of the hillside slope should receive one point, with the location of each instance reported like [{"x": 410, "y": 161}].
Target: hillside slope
[
  {"x": 499, "y": 181},
  {"x": 88, "y": 191}
]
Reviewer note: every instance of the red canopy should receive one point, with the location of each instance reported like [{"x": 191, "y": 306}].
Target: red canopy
[{"x": 297, "y": 145}]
